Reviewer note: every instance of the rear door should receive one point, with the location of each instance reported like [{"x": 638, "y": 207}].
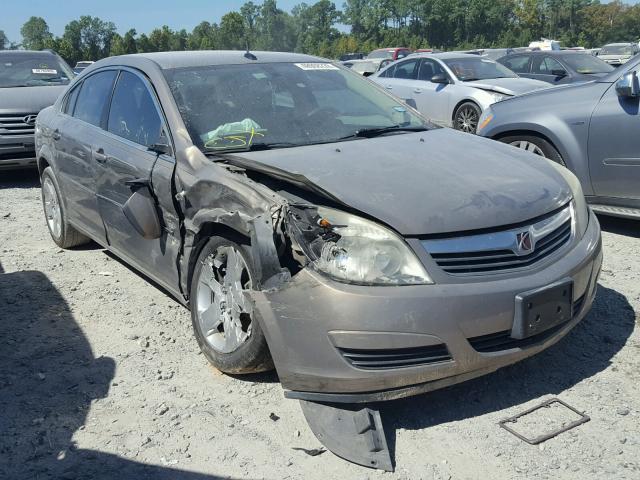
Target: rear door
[
  {"x": 122, "y": 154},
  {"x": 86, "y": 108}
]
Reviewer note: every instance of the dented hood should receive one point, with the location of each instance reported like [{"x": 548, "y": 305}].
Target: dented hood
[
  {"x": 508, "y": 86},
  {"x": 430, "y": 182}
]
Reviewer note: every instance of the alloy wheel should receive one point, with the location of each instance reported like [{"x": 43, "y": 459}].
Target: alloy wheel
[
  {"x": 467, "y": 119},
  {"x": 52, "y": 208},
  {"x": 224, "y": 312},
  {"x": 528, "y": 146}
]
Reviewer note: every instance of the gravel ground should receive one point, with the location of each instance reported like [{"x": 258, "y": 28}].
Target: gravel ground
[{"x": 100, "y": 377}]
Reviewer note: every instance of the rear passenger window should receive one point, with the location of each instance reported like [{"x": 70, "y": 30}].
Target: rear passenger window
[
  {"x": 545, "y": 66},
  {"x": 133, "y": 113},
  {"x": 517, "y": 64},
  {"x": 93, "y": 97},
  {"x": 71, "y": 100},
  {"x": 407, "y": 70}
]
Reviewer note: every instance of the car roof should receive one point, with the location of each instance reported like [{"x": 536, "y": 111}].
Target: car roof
[
  {"x": 553, "y": 53},
  {"x": 445, "y": 55},
  {"x": 27, "y": 52},
  {"x": 620, "y": 44},
  {"x": 203, "y": 58}
]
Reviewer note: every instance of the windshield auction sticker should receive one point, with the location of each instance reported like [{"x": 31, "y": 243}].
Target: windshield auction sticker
[
  {"x": 316, "y": 66},
  {"x": 44, "y": 71}
]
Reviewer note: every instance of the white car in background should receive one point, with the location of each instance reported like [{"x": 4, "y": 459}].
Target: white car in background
[{"x": 452, "y": 89}]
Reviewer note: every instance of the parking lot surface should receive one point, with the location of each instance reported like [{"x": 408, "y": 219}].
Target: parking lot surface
[{"x": 101, "y": 377}]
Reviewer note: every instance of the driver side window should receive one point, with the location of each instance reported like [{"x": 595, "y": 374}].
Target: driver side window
[
  {"x": 546, "y": 65},
  {"x": 133, "y": 114},
  {"x": 407, "y": 70}
]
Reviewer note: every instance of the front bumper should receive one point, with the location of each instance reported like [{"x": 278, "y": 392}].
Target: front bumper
[
  {"x": 17, "y": 152},
  {"x": 312, "y": 320}
]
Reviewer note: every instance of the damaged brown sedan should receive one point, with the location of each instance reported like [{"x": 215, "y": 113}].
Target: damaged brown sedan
[{"x": 314, "y": 223}]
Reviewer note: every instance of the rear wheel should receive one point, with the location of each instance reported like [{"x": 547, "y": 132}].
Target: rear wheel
[
  {"x": 224, "y": 320},
  {"x": 466, "y": 117},
  {"x": 62, "y": 233},
  {"x": 536, "y": 145}
]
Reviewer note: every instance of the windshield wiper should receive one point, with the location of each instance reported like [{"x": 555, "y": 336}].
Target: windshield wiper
[
  {"x": 376, "y": 132},
  {"x": 254, "y": 147}
]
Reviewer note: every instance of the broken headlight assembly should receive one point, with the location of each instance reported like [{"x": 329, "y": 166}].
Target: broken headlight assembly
[{"x": 352, "y": 249}]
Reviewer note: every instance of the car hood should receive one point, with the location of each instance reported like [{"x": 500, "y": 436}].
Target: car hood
[
  {"x": 439, "y": 181},
  {"x": 508, "y": 86},
  {"x": 29, "y": 99}
]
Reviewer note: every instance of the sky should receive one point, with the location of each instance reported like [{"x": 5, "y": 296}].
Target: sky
[{"x": 143, "y": 15}]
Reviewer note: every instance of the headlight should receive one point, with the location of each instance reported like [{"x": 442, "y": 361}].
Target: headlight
[
  {"x": 580, "y": 208},
  {"x": 355, "y": 250},
  {"x": 497, "y": 97}
]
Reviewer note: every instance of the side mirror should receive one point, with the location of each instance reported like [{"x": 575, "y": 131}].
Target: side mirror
[
  {"x": 627, "y": 86},
  {"x": 559, "y": 72},
  {"x": 161, "y": 148},
  {"x": 440, "y": 78},
  {"x": 367, "y": 74}
]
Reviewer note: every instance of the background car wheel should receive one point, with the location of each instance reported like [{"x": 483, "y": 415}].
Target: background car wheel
[
  {"x": 466, "y": 117},
  {"x": 536, "y": 145},
  {"x": 61, "y": 231},
  {"x": 222, "y": 313}
]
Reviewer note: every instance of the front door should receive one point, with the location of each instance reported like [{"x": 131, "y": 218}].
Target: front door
[
  {"x": 123, "y": 155},
  {"x": 433, "y": 99},
  {"x": 614, "y": 146}
]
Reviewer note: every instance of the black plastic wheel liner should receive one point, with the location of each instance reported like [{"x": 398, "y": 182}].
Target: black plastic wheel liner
[{"x": 351, "y": 432}]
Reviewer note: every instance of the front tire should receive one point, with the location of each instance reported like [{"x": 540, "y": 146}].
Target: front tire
[
  {"x": 222, "y": 313},
  {"x": 62, "y": 233},
  {"x": 535, "y": 145},
  {"x": 466, "y": 117}
]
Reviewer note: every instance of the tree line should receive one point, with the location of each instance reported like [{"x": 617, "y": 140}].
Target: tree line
[{"x": 314, "y": 28}]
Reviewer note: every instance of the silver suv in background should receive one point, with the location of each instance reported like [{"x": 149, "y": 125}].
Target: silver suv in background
[
  {"x": 616, "y": 54},
  {"x": 29, "y": 82},
  {"x": 591, "y": 128}
]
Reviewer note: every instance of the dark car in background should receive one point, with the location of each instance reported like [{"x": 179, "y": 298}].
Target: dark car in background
[
  {"x": 556, "y": 67},
  {"x": 29, "y": 82},
  {"x": 591, "y": 128},
  {"x": 352, "y": 56}
]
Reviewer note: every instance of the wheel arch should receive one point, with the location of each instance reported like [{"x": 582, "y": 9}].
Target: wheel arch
[{"x": 462, "y": 102}]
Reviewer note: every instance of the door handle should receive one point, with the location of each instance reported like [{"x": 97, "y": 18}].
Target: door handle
[
  {"x": 417, "y": 90},
  {"x": 388, "y": 87},
  {"x": 100, "y": 156},
  {"x": 56, "y": 134}
]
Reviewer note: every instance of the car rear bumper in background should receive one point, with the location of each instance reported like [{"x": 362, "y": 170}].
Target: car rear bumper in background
[{"x": 319, "y": 329}]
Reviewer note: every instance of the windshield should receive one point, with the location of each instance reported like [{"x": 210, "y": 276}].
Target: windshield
[
  {"x": 381, "y": 54},
  {"x": 32, "y": 70},
  {"x": 362, "y": 67},
  {"x": 277, "y": 105},
  {"x": 468, "y": 69},
  {"x": 617, "y": 50},
  {"x": 587, "y": 64}
]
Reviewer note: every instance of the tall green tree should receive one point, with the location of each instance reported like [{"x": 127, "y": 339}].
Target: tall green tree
[
  {"x": 35, "y": 34},
  {"x": 4, "y": 41}
]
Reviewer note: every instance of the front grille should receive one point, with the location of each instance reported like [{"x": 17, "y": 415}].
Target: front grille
[
  {"x": 15, "y": 124},
  {"x": 500, "y": 252},
  {"x": 383, "y": 359},
  {"x": 495, "y": 342}
]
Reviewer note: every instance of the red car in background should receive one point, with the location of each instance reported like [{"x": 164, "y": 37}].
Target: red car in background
[{"x": 390, "y": 53}]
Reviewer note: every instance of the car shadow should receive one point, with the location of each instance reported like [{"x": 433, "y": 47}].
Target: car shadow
[
  {"x": 620, "y": 226},
  {"x": 19, "y": 179},
  {"x": 48, "y": 379},
  {"x": 584, "y": 352}
]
